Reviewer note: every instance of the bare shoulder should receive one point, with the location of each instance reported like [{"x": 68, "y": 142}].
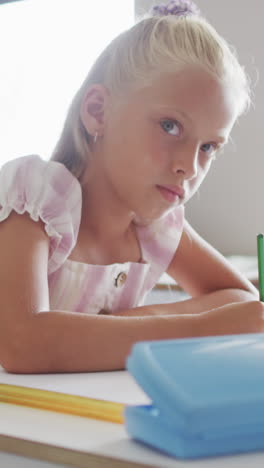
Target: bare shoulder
[
  {"x": 200, "y": 268},
  {"x": 24, "y": 248}
]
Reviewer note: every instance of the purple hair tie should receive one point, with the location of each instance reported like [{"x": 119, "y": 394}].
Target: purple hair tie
[{"x": 177, "y": 8}]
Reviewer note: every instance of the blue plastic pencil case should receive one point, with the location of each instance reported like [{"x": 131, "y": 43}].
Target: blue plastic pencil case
[{"x": 207, "y": 395}]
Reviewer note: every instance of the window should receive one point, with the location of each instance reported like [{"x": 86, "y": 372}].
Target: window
[{"x": 46, "y": 49}]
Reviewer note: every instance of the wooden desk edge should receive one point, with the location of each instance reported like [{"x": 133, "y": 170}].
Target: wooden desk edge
[{"x": 56, "y": 454}]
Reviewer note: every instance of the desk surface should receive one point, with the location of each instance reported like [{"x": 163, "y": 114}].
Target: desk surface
[
  {"x": 81, "y": 442},
  {"x": 77, "y": 441}
]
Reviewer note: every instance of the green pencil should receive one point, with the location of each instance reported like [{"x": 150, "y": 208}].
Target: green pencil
[{"x": 260, "y": 244}]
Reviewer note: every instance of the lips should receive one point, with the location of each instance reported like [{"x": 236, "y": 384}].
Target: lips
[{"x": 171, "y": 192}]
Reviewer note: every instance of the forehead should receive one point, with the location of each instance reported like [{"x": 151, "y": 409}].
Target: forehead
[{"x": 192, "y": 92}]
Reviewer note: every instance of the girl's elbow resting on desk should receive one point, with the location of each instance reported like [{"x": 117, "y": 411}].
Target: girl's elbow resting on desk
[
  {"x": 58, "y": 342},
  {"x": 16, "y": 355}
]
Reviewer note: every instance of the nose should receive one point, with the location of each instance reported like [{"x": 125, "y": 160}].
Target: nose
[{"x": 185, "y": 161}]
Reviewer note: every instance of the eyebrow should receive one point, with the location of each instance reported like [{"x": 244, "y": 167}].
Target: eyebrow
[{"x": 179, "y": 112}]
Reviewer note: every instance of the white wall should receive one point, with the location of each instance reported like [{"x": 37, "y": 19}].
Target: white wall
[{"x": 228, "y": 210}]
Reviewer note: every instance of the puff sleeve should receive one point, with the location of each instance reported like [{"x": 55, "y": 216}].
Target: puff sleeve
[{"x": 48, "y": 191}]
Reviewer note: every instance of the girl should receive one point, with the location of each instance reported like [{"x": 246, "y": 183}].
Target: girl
[{"x": 86, "y": 235}]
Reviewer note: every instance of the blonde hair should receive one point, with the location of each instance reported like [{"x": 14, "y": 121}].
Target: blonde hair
[{"x": 154, "y": 45}]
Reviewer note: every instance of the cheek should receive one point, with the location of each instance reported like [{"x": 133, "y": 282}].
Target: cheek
[
  {"x": 202, "y": 173},
  {"x": 160, "y": 149},
  {"x": 205, "y": 166}
]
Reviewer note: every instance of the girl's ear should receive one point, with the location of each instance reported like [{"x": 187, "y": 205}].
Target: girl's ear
[{"x": 93, "y": 109}]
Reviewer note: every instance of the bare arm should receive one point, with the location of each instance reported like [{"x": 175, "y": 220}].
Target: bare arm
[
  {"x": 34, "y": 339},
  {"x": 206, "y": 275},
  {"x": 201, "y": 269}
]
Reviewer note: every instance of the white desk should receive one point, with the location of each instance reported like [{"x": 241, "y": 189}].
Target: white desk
[
  {"x": 35, "y": 438},
  {"x": 82, "y": 442}
]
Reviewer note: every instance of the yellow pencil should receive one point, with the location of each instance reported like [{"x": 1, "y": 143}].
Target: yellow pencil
[{"x": 62, "y": 402}]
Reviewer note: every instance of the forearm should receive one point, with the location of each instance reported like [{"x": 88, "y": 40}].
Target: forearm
[
  {"x": 196, "y": 305},
  {"x": 72, "y": 342}
]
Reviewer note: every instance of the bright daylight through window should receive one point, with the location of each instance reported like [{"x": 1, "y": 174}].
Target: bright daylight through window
[{"x": 46, "y": 50}]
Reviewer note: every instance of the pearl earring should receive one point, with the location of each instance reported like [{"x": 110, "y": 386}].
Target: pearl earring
[{"x": 95, "y": 137}]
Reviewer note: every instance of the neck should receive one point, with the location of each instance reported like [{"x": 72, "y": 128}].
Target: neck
[{"x": 103, "y": 215}]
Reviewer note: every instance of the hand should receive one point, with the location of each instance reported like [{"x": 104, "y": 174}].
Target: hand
[{"x": 235, "y": 318}]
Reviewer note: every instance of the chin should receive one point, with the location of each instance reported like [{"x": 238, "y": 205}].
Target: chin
[{"x": 146, "y": 219}]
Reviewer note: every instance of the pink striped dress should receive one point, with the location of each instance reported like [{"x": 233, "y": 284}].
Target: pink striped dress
[{"x": 47, "y": 190}]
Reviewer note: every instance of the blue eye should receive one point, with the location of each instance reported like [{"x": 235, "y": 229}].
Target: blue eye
[
  {"x": 170, "y": 126},
  {"x": 209, "y": 148}
]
